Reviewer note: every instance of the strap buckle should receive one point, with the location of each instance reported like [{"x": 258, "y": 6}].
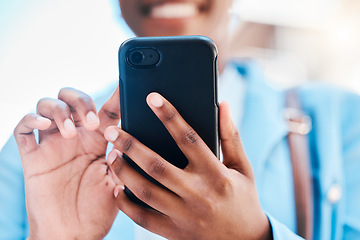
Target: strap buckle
[{"x": 297, "y": 121}]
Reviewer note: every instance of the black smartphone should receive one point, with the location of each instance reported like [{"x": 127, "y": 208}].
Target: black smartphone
[{"x": 183, "y": 69}]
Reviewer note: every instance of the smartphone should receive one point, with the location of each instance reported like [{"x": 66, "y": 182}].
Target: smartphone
[{"x": 183, "y": 69}]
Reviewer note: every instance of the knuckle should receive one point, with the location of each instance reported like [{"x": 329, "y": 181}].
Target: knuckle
[
  {"x": 145, "y": 193},
  {"x": 59, "y": 107},
  {"x": 64, "y": 90},
  {"x": 126, "y": 144},
  {"x": 157, "y": 166},
  {"x": 223, "y": 186},
  {"x": 42, "y": 102},
  {"x": 27, "y": 118},
  {"x": 190, "y": 136},
  {"x": 236, "y": 136},
  {"x": 82, "y": 101},
  {"x": 202, "y": 195},
  {"x": 117, "y": 166},
  {"x": 77, "y": 98},
  {"x": 141, "y": 219},
  {"x": 22, "y": 140},
  {"x": 112, "y": 115},
  {"x": 170, "y": 114},
  {"x": 205, "y": 208}
]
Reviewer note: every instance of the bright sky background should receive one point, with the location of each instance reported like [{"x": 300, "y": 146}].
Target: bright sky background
[{"x": 48, "y": 44}]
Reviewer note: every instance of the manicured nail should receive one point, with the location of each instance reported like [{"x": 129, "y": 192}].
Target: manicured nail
[
  {"x": 69, "y": 125},
  {"x": 117, "y": 190},
  {"x": 42, "y": 119},
  {"x": 111, "y": 157},
  {"x": 111, "y": 134},
  {"x": 91, "y": 118},
  {"x": 156, "y": 100}
]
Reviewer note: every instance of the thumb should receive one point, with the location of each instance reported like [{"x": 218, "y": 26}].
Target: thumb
[
  {"x": 109, "y": 114},
  {"x": 234, "y": 156}
]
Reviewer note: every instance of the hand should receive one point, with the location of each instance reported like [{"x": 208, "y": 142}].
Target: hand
[
  {"x": 206, "y": 200},
  {"x": 68, "y": 188}
]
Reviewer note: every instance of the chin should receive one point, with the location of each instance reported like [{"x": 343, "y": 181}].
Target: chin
[
  {"x": 170, "y": 18},
  {"x": 169, "y": 28}
]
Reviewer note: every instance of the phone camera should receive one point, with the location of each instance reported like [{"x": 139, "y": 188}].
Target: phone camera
[
  {"x": 143, "y": 57},
  {"x": 136, "y": 57}
]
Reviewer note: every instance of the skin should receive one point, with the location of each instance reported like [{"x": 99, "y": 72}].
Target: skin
[
  {"x": 66, "y": 173},
  {"x": 209, "y": 22},
  {"x": 203, "y": 201},
  {"x": 68, "y": 187},
  {"x": 206, "y": 200}
]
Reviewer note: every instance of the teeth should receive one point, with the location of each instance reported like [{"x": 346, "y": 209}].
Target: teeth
[{"x": 174, "y": 10}]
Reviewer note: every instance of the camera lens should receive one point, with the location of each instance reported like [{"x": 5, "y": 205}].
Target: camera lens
[
  {"x": 143, "y": 57},
  {"x": 136, "y": 57}
]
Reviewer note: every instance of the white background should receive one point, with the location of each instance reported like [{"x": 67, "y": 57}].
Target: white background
[{"x": 49, "y": 44}]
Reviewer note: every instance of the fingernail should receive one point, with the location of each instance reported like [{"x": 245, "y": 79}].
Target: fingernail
[
  {"x": 42, "y": 119},
  {"x": 69, "y": 125},
  {"x": 117, "y": 189},
  {"x": 156, "y": 100},
  {"x": 111, "y": 157},
  {"x": 92, "y": 118},
  {"x": 111, "y": 134}
]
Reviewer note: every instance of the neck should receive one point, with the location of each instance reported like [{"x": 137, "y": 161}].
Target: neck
[
  {"x": 223, "y": 48},
  {"x": 223, "y": 40}
]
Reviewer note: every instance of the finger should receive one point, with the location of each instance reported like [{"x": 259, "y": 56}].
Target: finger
[
  {"x": 149, "y": 219},
  {"x": 154, "y": 165},
  {"x": 24, "y": 134},
  {"x": 109, "y": 114},
  {"x": 153, "y": 195},
  {"x": 81, "y": 106},
  {"x": 59, "y": 112},
  {"x": 111, "y": 156},
  {"x": 233, "y": 152},
  {"x": 190, "y": 143}
]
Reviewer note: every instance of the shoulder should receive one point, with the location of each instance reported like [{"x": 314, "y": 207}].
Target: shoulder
[
  {"x": 335, "y": 114},
  {"x": 330, "y": 102},
  {"x": 335, "y": 151},
  {"x": 318, "y": 94}
]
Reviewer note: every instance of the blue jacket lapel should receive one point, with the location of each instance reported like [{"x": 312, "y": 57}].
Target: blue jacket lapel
[{"x": 263, "y": 125}]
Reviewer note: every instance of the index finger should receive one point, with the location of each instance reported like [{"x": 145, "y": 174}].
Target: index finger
[
  {"x": 24, "y": 134},
  {"x": 149, "y": 161},
  {"x": 190, "y": 143}
]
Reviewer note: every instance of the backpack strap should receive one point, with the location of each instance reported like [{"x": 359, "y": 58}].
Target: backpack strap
[{"x": 299, "y": 126}]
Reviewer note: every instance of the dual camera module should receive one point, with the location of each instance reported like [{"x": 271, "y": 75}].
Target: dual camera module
[{"x": 143, "y": 57}]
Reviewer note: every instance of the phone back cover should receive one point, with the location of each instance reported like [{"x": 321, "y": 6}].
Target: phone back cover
[{"x": 186, "y": 76}]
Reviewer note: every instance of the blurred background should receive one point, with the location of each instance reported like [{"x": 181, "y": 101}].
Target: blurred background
[{"x": 49, "y": 44}]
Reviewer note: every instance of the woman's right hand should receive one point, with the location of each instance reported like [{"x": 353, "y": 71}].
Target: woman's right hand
[{"x": 68, "y": 185}]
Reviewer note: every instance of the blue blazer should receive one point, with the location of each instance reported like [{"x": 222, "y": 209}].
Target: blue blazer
[
  {"x": 334, "y": 144},
  {"x": 334, "y": 148}
]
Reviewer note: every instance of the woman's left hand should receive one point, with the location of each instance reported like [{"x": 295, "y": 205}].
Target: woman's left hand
[
  {"x": 68, "y": 188},
  {"x": 206, "y": 200}
]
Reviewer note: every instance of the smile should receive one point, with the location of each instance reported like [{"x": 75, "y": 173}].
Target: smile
[{"x": 172, "y": 10}]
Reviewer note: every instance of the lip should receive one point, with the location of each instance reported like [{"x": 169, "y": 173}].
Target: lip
[{"x": 171, "y": 10}]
